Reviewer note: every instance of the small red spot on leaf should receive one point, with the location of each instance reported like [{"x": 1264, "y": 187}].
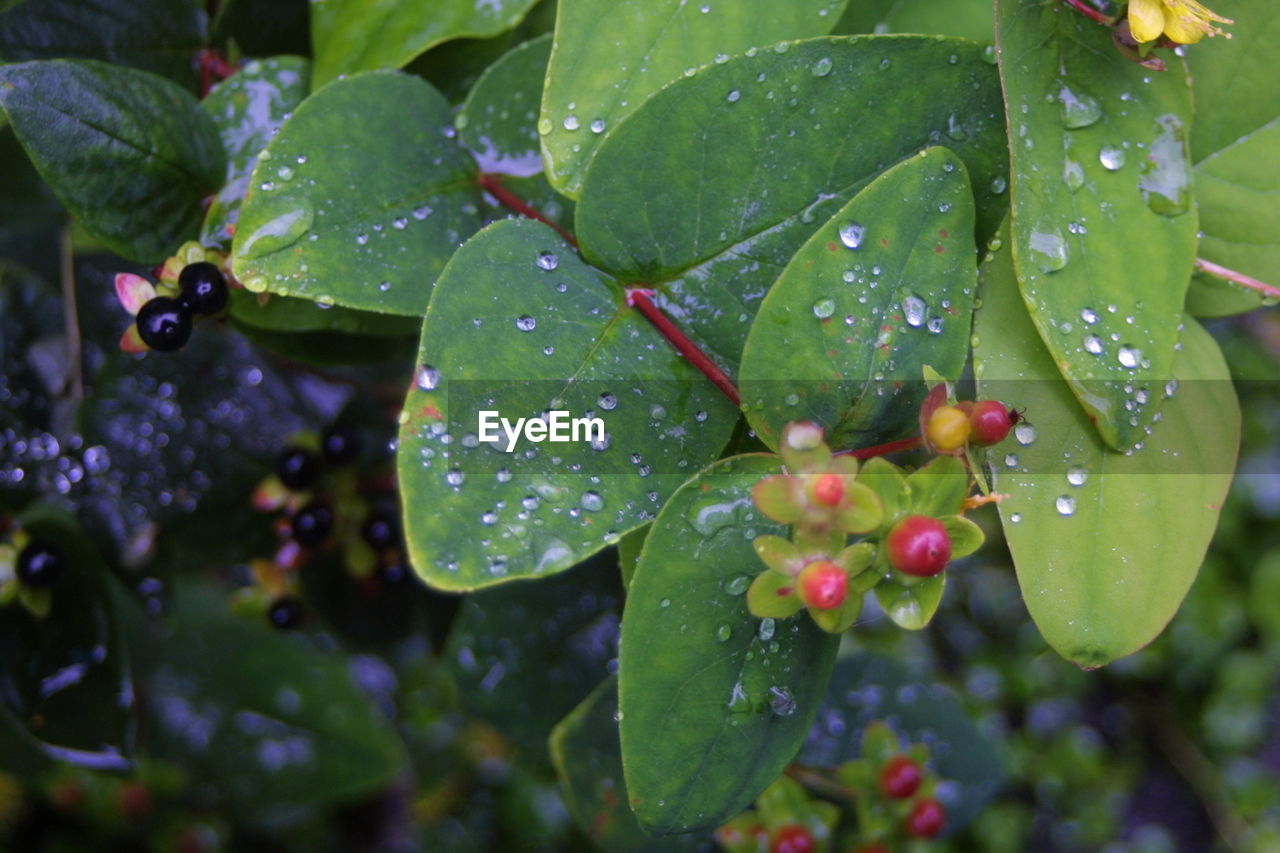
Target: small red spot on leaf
[
  {"x": 938, "y": 250},
  {"x": 884, "y": 241},
  {"x": 944, "y": 233},
  {"x": 831, "y": 247}
]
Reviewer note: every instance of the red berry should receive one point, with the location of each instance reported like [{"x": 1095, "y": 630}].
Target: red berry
[
  {"x": 827, "y": 489},
  {"x": 134, "y": 801},
  {"x": 918, "y": 545},
  {"x": 990, "y": 422},
  {"x": 823, "y": 585},
  {"x": 900, "y": 777},
  {"x": 792, "y": 839},
  {"x": 926, "y": 818}
]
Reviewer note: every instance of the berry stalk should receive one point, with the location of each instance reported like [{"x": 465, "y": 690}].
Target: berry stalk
[
  {"x": 640, "y": 299},
  {"x": 1210, "y": 268},
  {"x": 492, "y": 184}
]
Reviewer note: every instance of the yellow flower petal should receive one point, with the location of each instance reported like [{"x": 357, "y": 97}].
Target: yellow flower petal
[
  {"x": 1146, "y": 19},
  {"x": 1182, "y": 28}
]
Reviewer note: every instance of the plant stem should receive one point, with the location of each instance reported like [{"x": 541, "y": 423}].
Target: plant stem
[
  {"x": 1089, "y": 12},
  {"x": 492, "y": 184},
  {"x": 639, "y": 298},
  {"x": 882, "y": 449},
  {"x": 1210, "y": 268},
  {"x": 71, "y": 316},
  {"x": 820, "y": 783}
]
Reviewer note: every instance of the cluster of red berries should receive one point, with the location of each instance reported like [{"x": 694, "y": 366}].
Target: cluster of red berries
[
  {"x": 164, "y": 322},
  {"x": 949, "y": 429},
  {"x": 900, "y": 779}
]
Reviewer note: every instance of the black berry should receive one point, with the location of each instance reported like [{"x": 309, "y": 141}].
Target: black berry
[
  {"x": 312, "y": 525},
  {"x": 340, "y": 444},
  {"x": 381, "y": 530},
  {"x": 297, "y": 469},
  {"x": 394, "y": 574},
  {"x": 164, "y": 324},
  {"x": 285, "y": 613},
  {"x": 40, "y": 564},
  {"x": 203, "y": 288}
]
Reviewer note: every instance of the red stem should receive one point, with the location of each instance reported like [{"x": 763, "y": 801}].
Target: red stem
[
  {"x": 640, "y": 299},
  {"x": 1089, "y": 12},
  {"x": 882, "y": 449},
  {"x": 492, "y": 184},
  {"x": 1241, "y": 279}
]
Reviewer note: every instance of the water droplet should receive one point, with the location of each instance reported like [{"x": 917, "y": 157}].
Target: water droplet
[
  {"x": 1089, "y": 316},
  {"x": 592, "y": 502},
  {"x": 851, "y": 234},
  {"x": 1048, "y": 249},
  {"x": 737, "y": 584},
  {"x": 1079, "y": 109},
  {"x": 733, "y": 96},
  {"x": 1165, "y": 177},
  {"x": 723, "y": 633},
  {"x": 1011, "y": 460},
  {"x": 1111, "y": 157},
  {"x": 525, "y": 323},
  {"x": 1015, "y": 518},
  {"x": 1129, "y": 356},
  {"x": 934, "y": 325},
  {"x": 607, "y": 401},
  {"x": 1093, "y": 344},
  {"x": 1025, "y": 433},
  {"x": 453, "y": 477},
  {"x": 913, "y": 309},
  {"x": 1065, "y": 504},
  {"x": 781, "y": 702},
  {"x": 664, "y": 603},
  {"x": 428, "y": 378},
  {"x": 824, "y": 308},
  {"x": 548, "y": 261},
  {"x": 571, "y": 122},
  {"x": 400, "y": 223},
  {"x": 1076, "y": 476},
  {"x": 999, "y": 184},
  {"x": 422, "y": 212},
  {"x": 822, "y": 67},
  {"x": 1072, "y": 174},
  {"x": 598, "y": 125},
  {"x": 544, "y": 126},
  {"x": 766, "y": 630}
]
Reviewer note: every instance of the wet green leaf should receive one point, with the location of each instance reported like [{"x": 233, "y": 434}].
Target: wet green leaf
[
  {"x": 283, "y": 314},
  {"x": 699, "y": 198},
  {"x": 86, "y": 123},
  {"x": 714, "y": 702},
  {"x": 248, "y": 108},
  {"x": 524, "y": 655},
  {"x": 588, "y": 760},
  {"x": 362, "y": 35},
  {"x": 882, "y": 289},
  {"x": 610, "y": 55},
  {"x": 161, "y": 36},
  {"x": 267, "y": 723},
  {"x": 1106, "y": 544},
  {"x": 969, "y": 19},
  {"x": 1103, "y": 225},
  {"x": 359, "y": 199},
  {"x": 556, "y": 334},
  {"x": 499, "y": 119}
]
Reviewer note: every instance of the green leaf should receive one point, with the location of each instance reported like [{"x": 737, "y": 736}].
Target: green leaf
[
  {"x": 714, "y": 702},
  {"x": 966, "y": 537},
  {"x": 559, "y": 335},
  {"x": 593, "y": 83},
  {"x": 67, "y": 678},
  {"x": 499, "y": 119},
  {"x": 629, "y": 547},
  {"x": 360, "y": 198},
  {"x": 911, "y": 607},
  {"x": 1234, "y": 144},
  {"x": 772, "y": 595},
  {"x": 162, "y": 36},
  {"x": 867, "y": 687},
  {"x": 886, "y": 480},
  {"x": 361, "y": 35},
  {"x": 265, "y": 27},
  {"x": 283, "y": 314},
  {"x": 524, "y": 655},
  {"x": 1106, "y": 544},
  {"x": 969, "y": 19},
  {"x": 84, "y": 124},
  {"x": 265, "y": 721},
  {"x": 588, "y": 760},
  {"x": 697, "y": 197},
  {"x": 895, "y": 266},
  {"x": 248, "y": 108},
  {"x": 940, "y": 487},
  {"x": 1103, "y": 225}
]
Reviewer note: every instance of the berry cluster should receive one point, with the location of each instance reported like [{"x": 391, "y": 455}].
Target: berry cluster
[
  {"x": 952, "y": 428},
  {"x": 322, "y": 507},
  {"x": 29, "y": 570},
  {"x": 785, "y": 820},
  {"x": 825, "y": 498},
  {"x": 193, "y": 283},
  {"x": 896, "y": 790}
]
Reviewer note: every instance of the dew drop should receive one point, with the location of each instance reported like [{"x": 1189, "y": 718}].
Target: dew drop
[
  {"x": 1076, "y": 476},
  {"x": 548, "y": 261},
  {"x": 1079, "y": 109},
  {"x": 822, "y": 67},
  {"x": 598, "y": 125},
  {"x": 1065, "y": 504},
  {"x": 913, "y": 309},
  {"x": 851, "y": 234},
  {"x": 737, "y": 584},
  {"x": 592, "y": 502},
  {"x": 428, "y": 378},
  {"x": 1089, "y": 316},
  {"x": 723, "y": 633},
  {"x": 1129, "y": 356},
  {"x": 1111, "y": 157},
  {"x": 607, "y": 401},
  {"x": 525, "y": 323},
  {"x": 824, "y": 308},
  {"x": 1093, "y": 344},
  {"x": 1025, "y": 433},
  {"x": 999, "y": 184},
  {"x": 1048, "y": 249},
  {"x": 571, "y": 122},
  {"x": 1072, "y": 174}
]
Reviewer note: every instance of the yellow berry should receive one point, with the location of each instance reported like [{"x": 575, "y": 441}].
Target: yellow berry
[{"x": 948, "y": 428}]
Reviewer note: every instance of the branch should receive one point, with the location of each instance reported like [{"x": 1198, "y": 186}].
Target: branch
[
  {"x": 492, "y": 184},
  {"x": 1210, "y": 268},
  {"x": 882, "y": 449},
  {"x": 639, "y": 298},
  {"x": 71, "y": 316},
  {"x": 1089, "y": 12}
]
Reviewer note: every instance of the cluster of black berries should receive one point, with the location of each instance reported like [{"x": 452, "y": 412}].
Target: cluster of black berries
[
  {"x": 298, "y": 469},
  {"x": 164, "y": 322}
]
